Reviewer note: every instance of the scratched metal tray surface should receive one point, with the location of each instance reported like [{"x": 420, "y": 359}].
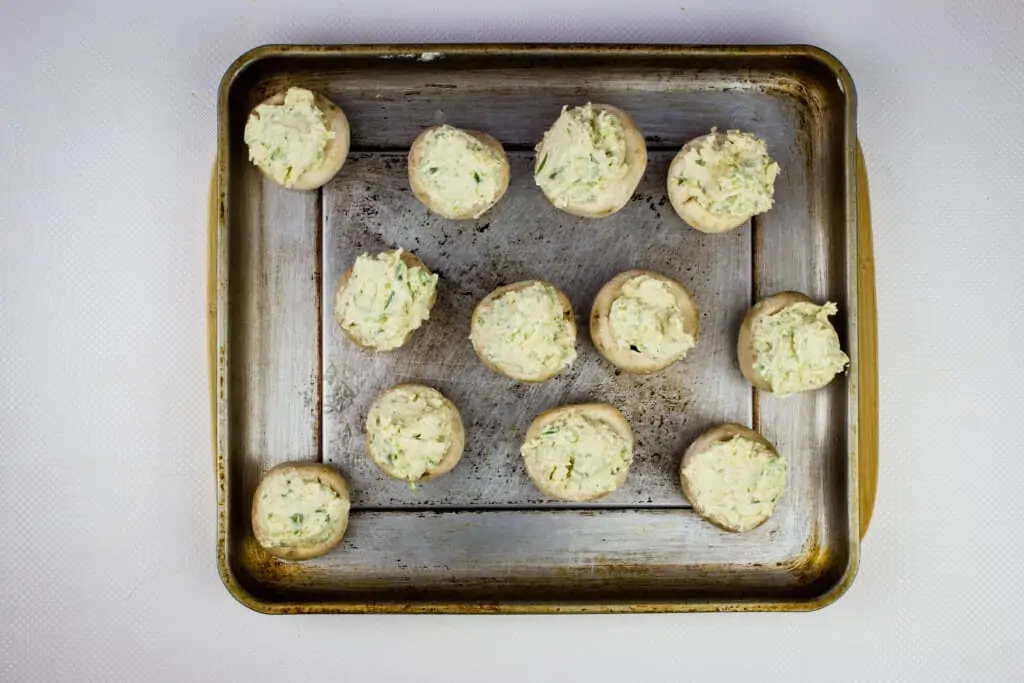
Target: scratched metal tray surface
[{"x": 482, "y": 538}]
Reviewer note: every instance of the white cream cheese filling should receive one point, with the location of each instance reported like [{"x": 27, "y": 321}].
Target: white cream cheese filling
[
  {"x": 298, "y": 510},
  {"x": 410, "y": 430},
  {"x": 736, "y": 482},
  {"x": 286, "y": 140},
  {"x": 728, "y": 175},
  {"x": 578, "y": 455},
  {"x": 581, "y": 156},
  {"x": 797, "y": 349},
  {"x": 647, "y": 318},
  {"x": 459, "y": 172},
  {"x": 525, "y": 331},
  {"x": 384, "y": 299}
]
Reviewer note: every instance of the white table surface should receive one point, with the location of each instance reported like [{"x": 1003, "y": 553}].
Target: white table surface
[{"x": 107, "y": 131}]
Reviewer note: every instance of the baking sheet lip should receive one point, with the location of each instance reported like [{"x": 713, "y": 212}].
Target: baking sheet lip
[
  {"x": 262, "y": 606},
  {"x": 846, "y": 85},
  {"x": 415, "y": 53},
  {"x": 220, "y": 426},
  {"x": 247, "y": 59}
]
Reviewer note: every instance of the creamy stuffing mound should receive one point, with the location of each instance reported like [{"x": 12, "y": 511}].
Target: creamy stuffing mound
[
  {"x": 409, "y": 431},
  {"x": 581, "y": 156},
  {"x": 797, "y": 349},
  {"x": 287, "y": 140},
  {"x": 525, "y": 332},
  {"x": 647, "y": 319},
  {"x": 297, "y": 509},
  {"x": 384, "y": 300},
  {"x": 580, "y": 456},
  {"x": 728, "y": 175},
  {"x": 736, "y": 482},
  {"x": 460, "y": 173}
]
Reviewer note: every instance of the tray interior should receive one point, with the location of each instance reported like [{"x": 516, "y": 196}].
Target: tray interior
[{"x": 299, "y": 390}]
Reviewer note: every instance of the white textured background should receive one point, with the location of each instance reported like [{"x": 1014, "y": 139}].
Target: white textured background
[{"x": 107, "y": 131}]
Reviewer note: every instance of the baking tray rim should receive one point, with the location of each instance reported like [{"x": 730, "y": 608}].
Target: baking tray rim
[{"x": 860, "y": 279}]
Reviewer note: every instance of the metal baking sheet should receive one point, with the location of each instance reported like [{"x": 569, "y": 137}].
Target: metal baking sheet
[{"x": 482, "y": 538}]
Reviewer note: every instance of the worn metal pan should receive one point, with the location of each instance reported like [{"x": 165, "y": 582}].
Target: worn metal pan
[{"x": 286, "y": 386}]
